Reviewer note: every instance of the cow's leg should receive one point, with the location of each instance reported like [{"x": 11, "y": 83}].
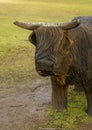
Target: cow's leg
[
  {"x": 59, "y": 94},
  {"x": 88, "y": 92}
]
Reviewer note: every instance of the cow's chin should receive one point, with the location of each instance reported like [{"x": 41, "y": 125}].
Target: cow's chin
[{"x": 45, "y": 73}]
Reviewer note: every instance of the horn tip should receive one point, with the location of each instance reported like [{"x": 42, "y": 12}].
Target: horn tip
[
  {"x": 15, "y": 22},
  {"x": 78, "y": 21}
]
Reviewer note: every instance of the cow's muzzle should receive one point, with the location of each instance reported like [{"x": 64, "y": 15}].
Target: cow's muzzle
[{"x": 44, "y": 67}]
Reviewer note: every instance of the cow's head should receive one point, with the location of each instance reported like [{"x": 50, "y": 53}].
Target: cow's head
[{"x": 52, "y": 46}]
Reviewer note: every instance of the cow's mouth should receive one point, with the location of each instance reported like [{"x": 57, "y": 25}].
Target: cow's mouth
[
  {"x": 45, "y": 73},
  {"x": 51, "y": 73}
]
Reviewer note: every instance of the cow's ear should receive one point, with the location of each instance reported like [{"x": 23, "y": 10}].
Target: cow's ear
[{"x": 32, "y": 38}]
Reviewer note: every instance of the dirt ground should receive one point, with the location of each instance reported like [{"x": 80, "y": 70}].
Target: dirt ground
[
  {"x": 24, "y": 111},
  {"x": 27, "y": 109}
]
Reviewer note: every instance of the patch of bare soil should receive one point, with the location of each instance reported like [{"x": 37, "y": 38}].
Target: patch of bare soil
[
  {"x": 86, "y": 126},
  {"x": 24, "y": 111}
]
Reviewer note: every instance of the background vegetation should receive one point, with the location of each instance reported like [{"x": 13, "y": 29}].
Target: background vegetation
[{"x": 17, "y": 54}]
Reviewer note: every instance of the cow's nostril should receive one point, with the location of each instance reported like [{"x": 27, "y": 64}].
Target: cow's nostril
[{"x": 44, "y": 65}]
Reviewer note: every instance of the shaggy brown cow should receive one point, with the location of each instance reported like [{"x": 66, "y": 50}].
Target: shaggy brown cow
[{"x": 63, "y": 52}]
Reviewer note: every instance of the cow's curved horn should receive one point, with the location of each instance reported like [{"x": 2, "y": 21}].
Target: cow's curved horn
[
  {"x": 28, "y": 26},
  {"x": 32, "y": 26},
  {"x": 70, "y": 25}
]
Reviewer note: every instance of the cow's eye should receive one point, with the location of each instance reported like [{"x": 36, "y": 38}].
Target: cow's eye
[
  {"x": 32, "y": 38},
  {"x": 66, "y": 44}
]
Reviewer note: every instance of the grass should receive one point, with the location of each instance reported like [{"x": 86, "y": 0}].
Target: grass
[
  {"x": 17, "y": 54},
  {"x": 70, "y": 118}
]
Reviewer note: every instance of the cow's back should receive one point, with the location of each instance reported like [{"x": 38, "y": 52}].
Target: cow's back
[{"x": 84, "y": 19}]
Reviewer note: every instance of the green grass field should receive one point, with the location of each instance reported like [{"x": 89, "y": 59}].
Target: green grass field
[{"x": 17, "y": 54}]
